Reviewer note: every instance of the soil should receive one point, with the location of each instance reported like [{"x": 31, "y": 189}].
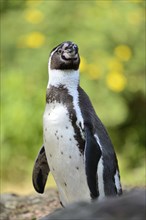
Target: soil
[{"x": 31, "y": 207}]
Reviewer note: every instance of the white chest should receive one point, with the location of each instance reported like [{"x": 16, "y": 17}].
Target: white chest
[{"x": 63, "y": 155}]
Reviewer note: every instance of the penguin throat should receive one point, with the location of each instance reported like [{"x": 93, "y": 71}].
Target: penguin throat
[{"x": 66, "y": 78}]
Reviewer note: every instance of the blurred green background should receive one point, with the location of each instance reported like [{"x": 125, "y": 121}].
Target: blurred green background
[{"x": 110, "y": 36}]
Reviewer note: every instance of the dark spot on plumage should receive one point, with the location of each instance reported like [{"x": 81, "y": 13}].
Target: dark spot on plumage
[
  {"x": 56, "y": 131},
  {"x": 80, "y": 124},
  {"x": 50, "y": 155},
  {"x": 70, "y": 139},
  {"x": 61, "y": 152},
  {"x": 77, "y": 168},
  {"x": 57, "y": 138},
  {"x": 65, "y": 183},
  {"x": 70, "y": 157},
  {"x": 53, "y": 168},
  {"x": 72, "y": 117},
  {"x": 61, "y": 136},
  {"x": 45, "y": 129},
  {"x": 66, "y": 127}
]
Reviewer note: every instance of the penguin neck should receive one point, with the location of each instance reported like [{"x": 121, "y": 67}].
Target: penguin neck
[{"x": 67, "y": 78}]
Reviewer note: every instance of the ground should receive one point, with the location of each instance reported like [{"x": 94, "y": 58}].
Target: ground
[{"x": 31, "y": 207}]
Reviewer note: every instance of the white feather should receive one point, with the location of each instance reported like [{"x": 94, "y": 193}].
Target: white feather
[
  {"x": 117, "y": 181},
  {"x": 100, "y": 172},
  {"x": 65, "y": 161}
]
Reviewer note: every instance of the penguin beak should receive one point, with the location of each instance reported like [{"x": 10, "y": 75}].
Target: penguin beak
[{"x": 72, "y": 48}]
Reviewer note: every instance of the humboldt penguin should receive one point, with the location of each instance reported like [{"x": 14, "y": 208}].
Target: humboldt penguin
[{"x": 76, "y": 147}]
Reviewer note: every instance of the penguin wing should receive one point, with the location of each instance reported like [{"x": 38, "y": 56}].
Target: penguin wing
[
  {"x": 40, "y": 171},
  {"x": 98, "y": 145},
  {"x": 92, "y": 156}
]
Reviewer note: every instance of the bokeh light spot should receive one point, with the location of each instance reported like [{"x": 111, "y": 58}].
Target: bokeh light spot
[
  {"x": 123, "y": 52},
  {"x": 33, "y": 16},
  {"x": 32, "y": 40},
  {"x": 116, "y": 81}
]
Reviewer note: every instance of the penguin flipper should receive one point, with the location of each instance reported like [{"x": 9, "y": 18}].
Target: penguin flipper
[
  {"x": 92, "y": 157},
  {"x": 40, "y": 171}
]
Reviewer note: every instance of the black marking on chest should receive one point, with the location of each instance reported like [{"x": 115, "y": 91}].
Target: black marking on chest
[{"x": 60, "y": 95}]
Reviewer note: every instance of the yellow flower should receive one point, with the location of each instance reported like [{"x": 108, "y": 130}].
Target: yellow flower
[
  {"x": 115, "y": 64},
  {"x": 91, "y": 70},
  {"x": 33, "y": 16},
  {"x": 32, "y": 40},
  {"x": 123, "y": 52},
  {"x": 35, "y": 39},
  {"x": 116, "y": 81}
]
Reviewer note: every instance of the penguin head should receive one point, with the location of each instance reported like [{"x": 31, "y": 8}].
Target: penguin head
[{"x": 65, "y": 57}]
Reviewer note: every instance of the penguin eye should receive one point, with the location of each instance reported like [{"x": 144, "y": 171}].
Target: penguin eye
[{"x": 59, "y": 51}]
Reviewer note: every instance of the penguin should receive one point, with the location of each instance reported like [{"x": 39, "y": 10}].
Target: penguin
[{"x": 76, "y": 148}]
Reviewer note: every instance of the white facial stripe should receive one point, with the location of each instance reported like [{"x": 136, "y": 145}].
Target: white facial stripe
[{"x": 50, "y": 58}]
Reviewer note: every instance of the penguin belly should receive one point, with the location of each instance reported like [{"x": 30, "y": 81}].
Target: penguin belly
[{"x": 65, "y": 160}]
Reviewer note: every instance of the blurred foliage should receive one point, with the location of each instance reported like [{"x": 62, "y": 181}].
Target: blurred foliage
[{"x": 111, "y": 39}]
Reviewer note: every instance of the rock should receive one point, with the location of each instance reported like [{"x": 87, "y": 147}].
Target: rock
[{"x": 130, "y": 206}]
